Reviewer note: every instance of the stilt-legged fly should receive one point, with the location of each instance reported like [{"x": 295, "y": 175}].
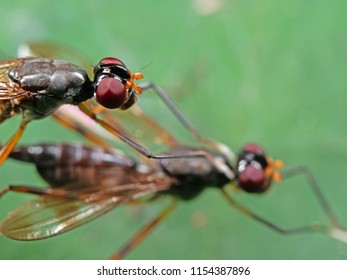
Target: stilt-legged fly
[{"x": 35, "y": 87}]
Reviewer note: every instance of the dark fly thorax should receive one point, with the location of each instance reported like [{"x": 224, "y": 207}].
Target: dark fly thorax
[
  {"x": 51, "y": 83},
  {"x": 194, "y": 174},
  {"x": 61, "y": 164}
]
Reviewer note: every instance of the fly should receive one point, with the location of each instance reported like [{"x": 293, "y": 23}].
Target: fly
[{"x": 37, "y": 87}]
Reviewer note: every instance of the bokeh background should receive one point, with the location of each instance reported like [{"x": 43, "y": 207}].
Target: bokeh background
[{"x": 273, "y": 72}]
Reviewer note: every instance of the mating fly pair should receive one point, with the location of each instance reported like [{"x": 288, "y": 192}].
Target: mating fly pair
[{"x": 86, "y": 182}]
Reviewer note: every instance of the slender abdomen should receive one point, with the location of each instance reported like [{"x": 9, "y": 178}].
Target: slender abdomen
[{"x": 61, "y": 164}]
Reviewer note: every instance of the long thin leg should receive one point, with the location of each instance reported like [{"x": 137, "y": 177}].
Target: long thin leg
[
  {"x": 6, "y": 149},
  {"x": 138, "y": 237},
  {"x": 333, "y": 231},
  {"x": 317, "y": 190},
  {"x": 56, "y": 192},
  {"x": 173, "y": 108},
  {"x": 146, "y": 124},
  {"x": 88, "y": 134},
  {"x": 314, "y": 227},
  {"x": 135, "y": 145},
  {"x": 186, "y": 123},
  {"x": 73, "y": 118}
]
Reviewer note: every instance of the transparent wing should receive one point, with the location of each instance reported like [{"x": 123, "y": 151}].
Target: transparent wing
[
  {"x": 8, "y": 89},
  {"x": 55, "y": 51},
  {"x": 48, "y": 215}
]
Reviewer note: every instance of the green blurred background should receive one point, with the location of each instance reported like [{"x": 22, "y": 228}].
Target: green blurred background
[{"x": 268, "y": 71}]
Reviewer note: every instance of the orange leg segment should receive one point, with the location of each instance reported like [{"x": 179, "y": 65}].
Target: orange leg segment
[
  {"x": 6, "y": 149},
  {"x": 143, "y": 233}
]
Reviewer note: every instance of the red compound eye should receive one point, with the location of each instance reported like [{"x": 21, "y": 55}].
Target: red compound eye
[
  {"x": 252, "y": 179},
  {"x": 112, "y": 60},
  {"x": 111, "y": 93}
]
